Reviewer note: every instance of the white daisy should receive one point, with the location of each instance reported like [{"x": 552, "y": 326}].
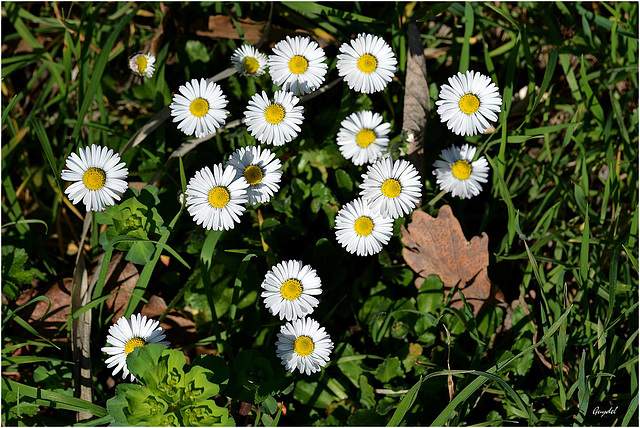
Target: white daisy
[
  {"x": 468, "y": 102},
  {"x": 458, "y": 174},
  {"x": 217, "y": 199},
  {"x": 127, "y": 335},
  {"x": 361, "y": 230},
  {"x": 274, "y": 122},
  {"x": 297, "y": 64},
  {"x": 261, "y": 169},
  {"x": 199, "y": 107},
  {"x": 363, "y": 137},
  {"x": 304, "y": 345},
  {"x": 142, "y": 64},
  {"x": 249, "y": 61},
  {"x": 99, "y": 177},
  {"x": 289, "y": 290},
  {"x": 367, "y": 63},
  {"x": 391, "y": 188}
]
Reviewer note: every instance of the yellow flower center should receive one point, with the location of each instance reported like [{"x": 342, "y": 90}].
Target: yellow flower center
[
  {"x": 253, "y": 174},
  {"x": 365, "y": 138},
  {"x": 274, "y": 114},
  {"x": 367, "y": 63},
  {"x": 250, "y": 65},
  {"x": 141, "y": 62},
  {"x": 461, "y": 169},
  {"x": 298, "y": 64},
  {"x": 303, "y": 346},
  {"x": 363, "y": 226},
  {"x": 291, "y": 289},
  {"x": 219, "y": 197},
  {"x": 199, "y": 107},
  {"x": 94, "y": 178},
  {"x": 469, "y": 104},
  {"x": 391, "y": 188},
  {"x": 132, "y": 344}
]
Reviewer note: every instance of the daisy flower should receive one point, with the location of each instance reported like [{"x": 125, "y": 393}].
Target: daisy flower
[
  {"x": 142, "y": 64},
  {"x": 274, "y": 122},
  {"x": 98, "y": 176},
  {"x": 367, "y": 63},
  {"x": 289, "y": 290},
  {"x": 260, "y": 168},
  {"x": 391, "y": 188},
  {"x": 361, "y": 230},
  {"x": 128, "y": 334},
  {"x": 304, "y": 345},
  {"x": 249, "y": 61},
  {"x": 363, "y": 137},
  {"x": 458, "y": 174},
  {"x": 468, "y": 102},
  {"x": 217, "y": 199},
  {"x": 297, "y": 64},
  {"x": 199, "y": 107}
]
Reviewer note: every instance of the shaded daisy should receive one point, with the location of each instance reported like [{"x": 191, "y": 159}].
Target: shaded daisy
[
  {"x": 128, "y": 334},
  {"x": 248, "y": 61},
  {"x": 457, "y": 173},
  {"x": 261, "y": 169},
  {"x": 142, "y": 64},
  {"x": 98, "y": 175},
  {"x": 274, "y": 122},
  {"x": 297, "y": 64},
  {"x": 304, "y": 345},
  {"x": 289, "y": 290},
  {"x": 367, "y": 63},
  {"x": 468, "y": 102},
  {"x": 391, "y": 188},
  {"x": 199, "y": 107},
  {"x": 216, "y": 199},
  {"x": 363, "y": 136},
  {"x": 361, "y": 230}
]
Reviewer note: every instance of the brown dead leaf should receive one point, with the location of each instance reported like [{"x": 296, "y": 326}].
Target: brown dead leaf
[
  {"x": 221, "y": 27},
  {"x": 122, "y": 276},
  {"x": 416, "y": 99},
  {"x": 437, "y": 246},
  {"x": 179, "y": 327}
]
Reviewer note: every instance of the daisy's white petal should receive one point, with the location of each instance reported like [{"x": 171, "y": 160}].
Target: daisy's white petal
[
  {"x": 215, "y": 199},
  {"x": 97, "y": 176},
  {"x": 363, "y": 137},
  {"x": 142, "y": 64},
  {"x": 274, "y": 122},
  {"x": 248, "y": 61},
  {"x": 366, "y": 63},
  {"x": 126, "y": 335},
  {"x": 458, "y": 174},
  {"x": 297, "y": 64},
  {"x": 468, "y": 103},
  {"x": 361, "y": 230},
  {"x": 289, "y": 288},
  {"x": 260, "y": 168},
  {"x": 391, "y": 188},
  {"x": 199, "y": 108},
  {"x": 302, "y": 344}
]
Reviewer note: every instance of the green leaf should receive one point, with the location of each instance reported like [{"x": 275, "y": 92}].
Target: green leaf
[
  {"x": 431, "y": 295},
  {"x": 405, "y": 405},
  {"x": 197, "y": 385},
  {"x": 197, "y": 51},
  {"x": 367, "y": 398},
  {"x": 364, "y": 418},
  {"x": 204, "y": 413},
  {"x": 313, "y": 394},
  {"x": 47, "y": 398},
  {"x": 388, "y": 369},
  {"x": 143, "y": 358}
]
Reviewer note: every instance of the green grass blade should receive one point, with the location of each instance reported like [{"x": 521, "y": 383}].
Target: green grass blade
[
  {"x": 96, "y": 73},
  {"x": 613, "y": 281},
  {"x": 405, "y": 404},
  {"x": 584, "y": 248},
  {"x": 468, "y": 32},
  {"x": 237, "y": 285},
  {"x": 27, "y": 359},
  {"x": 633, "y": 406},
  {"x": 506, "y": 197},
  {"x": 48, "y": 398},
  {"x": 38, "y": 127}
]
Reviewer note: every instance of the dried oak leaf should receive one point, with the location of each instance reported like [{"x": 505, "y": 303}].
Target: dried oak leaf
[{"x": 437, "y": 246}]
